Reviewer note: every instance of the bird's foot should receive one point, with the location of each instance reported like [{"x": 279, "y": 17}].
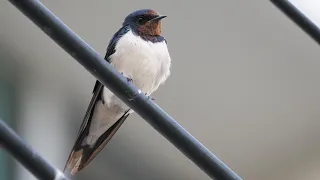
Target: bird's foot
[
  {"x": 149, "y": 97},
  {"x": 129, "y": 79}
]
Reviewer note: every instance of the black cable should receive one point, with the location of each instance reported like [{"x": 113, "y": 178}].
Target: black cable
[
  {"x": 299, "y": 18},
  {"x": 27, "y": 156},
  {"x": 126, "y": 91}
]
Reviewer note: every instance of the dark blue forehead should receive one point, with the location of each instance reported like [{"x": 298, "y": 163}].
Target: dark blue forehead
[{"x": 139, "y": 13}]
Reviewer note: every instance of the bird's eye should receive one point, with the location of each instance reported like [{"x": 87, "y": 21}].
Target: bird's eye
[{"x": 140, "y": 20}]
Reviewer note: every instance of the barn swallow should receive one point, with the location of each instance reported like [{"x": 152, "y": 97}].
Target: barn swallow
[{"x": 139, "y": 52}]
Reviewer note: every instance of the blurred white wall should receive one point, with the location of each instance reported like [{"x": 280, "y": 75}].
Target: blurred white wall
[{"x": 245, "y": 82}]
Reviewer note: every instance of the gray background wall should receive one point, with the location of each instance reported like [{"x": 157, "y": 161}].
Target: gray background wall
[{"x": 244, "y": 82}]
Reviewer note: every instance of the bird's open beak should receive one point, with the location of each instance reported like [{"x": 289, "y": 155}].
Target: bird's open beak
[{"x": 158, "y": 18}]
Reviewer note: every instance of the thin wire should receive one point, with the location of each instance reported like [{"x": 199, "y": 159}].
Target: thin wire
[
  {"x": 27, "y": 156},
  {"x": 126, "y": 91},
  {"x": 299, "y": 18}
]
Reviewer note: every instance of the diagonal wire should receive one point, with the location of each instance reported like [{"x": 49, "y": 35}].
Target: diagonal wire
[
  {"x": 27, "y": 156},
  {"x": 299, "y": 18},
  {"x": 127, "y": 92}
]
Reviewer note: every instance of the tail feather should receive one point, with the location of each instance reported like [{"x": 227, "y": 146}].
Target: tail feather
[
  {"x": 74, "y": 162},
  {"x": 82, "y": 155}
]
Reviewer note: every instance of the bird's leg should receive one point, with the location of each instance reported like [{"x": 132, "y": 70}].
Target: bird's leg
[{"x": 153, "y": 99}]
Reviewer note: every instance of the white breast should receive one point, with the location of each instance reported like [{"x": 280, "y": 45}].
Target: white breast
[{"x": 146, "y": 63}]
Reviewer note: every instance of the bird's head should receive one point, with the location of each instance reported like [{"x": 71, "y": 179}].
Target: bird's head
[{"x": 146, "y": 22}]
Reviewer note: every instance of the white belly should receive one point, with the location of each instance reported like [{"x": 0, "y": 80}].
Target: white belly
[{"x": 146, "y": 63}]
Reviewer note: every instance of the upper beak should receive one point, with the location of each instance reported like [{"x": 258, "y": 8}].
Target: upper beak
[{"x": 158, "y": 18}]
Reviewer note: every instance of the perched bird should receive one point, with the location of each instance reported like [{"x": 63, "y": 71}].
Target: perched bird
[{"x": 139, "y": 52}]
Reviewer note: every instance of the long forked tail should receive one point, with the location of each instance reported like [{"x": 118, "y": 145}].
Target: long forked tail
[{"x": 81, "y": 156}]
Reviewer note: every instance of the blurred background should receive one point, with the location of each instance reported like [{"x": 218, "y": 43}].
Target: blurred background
[{"x": 244, "y": 82}]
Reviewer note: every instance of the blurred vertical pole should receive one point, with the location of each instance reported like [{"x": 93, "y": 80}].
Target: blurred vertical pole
[
  {"x": 6, "y": 107},
  {"x": 46, "y": 114}
]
